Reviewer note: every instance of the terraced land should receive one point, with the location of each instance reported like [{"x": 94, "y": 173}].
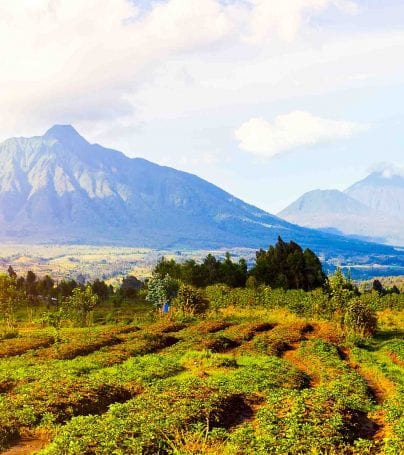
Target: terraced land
[{"x": 239, "y": 382}]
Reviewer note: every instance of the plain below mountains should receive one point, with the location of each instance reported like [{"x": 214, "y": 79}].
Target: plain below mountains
[
  {"x": 58, "y": 188},
  {"x": 372, "y": 209}
]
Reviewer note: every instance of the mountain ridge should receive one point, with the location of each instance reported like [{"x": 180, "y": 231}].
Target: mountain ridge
[
  {"x": 62, "y": 162},
  {"x": 371, "y": 209},
  {"x": 381, "y": 191},
  {"x": 59, "y": 188}
]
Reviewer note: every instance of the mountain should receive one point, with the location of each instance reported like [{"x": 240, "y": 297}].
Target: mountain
[
  {"x": 382, "y": 191},
  {"x": 372, "y": 209},
  {"x": 58, "y": 188}
]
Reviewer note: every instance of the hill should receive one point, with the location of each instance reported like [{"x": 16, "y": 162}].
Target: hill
[{"x": 264, "y": 376}]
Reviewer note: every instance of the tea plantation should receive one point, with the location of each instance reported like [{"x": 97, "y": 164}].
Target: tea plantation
[{"x": 254, "y": 373}]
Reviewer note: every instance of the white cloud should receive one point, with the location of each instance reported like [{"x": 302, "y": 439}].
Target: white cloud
[
  {"x": 388, "y": 170},
  {"x": 285, "y": 18},
  {"x": 69, "y": 58},
  {"x": 289, "y": 131},
  {"x": 83, "y": 62}
]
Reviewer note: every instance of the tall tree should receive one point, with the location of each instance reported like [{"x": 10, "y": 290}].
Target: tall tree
[{"x": 287, "y": 266}]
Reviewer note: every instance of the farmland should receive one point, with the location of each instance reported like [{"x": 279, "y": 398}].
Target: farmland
[
  {"x": 112, "y": 263},
  {"x": 105, "y": 262},
  {"x": 250, "y": 375}
]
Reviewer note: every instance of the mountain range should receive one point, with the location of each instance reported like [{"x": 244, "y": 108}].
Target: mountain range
[
  {"x": 59, "y": 188},
  {"x": 371, "y": 209}
]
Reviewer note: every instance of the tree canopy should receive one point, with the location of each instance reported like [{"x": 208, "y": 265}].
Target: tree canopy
[{"x": 284, "y": 265}]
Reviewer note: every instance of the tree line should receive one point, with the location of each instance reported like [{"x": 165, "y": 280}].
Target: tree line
[
  {"x": 285, "y": 265},
  {"x": 46, "y": 289}
]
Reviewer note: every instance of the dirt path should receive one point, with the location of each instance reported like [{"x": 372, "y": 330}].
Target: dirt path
[
  {"x": 26, "y": 446},
  {"x": 380, "y": 391}
]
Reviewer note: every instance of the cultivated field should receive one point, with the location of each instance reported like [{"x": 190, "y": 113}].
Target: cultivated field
[{"x": 239, "y": 380}]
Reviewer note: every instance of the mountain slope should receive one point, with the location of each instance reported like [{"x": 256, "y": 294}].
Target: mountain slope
[
  {"x": 382, "y": 191},
  {"x": 58, "y": 188},
  {"x": 335, "y": 211}
]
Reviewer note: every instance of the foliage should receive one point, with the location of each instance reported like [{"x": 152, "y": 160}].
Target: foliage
[
  {"x": 359, "y": 318},
  {"x": 287, "y": 266},
  {"x": 261, "y": 370},
  {"x": 210, "y": 271},
  {"x": 10, "y": 299},
  {"x": 55, "y": 320},
  {"x": 81, "y": 304},
  {"x": 341, "y": 290},
  {"x": 189, "y": 300},
  {"x": 161, "y": 290}
]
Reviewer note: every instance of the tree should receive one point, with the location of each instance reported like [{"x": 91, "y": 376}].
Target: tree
[
  {"x": 394, "y": 290},
  {"x": 231, "y": 273},
  {"x": 55, "y": 319},
  {"x": 166, "y": 267},
  {"x": 100, "y": 289},
  {"x": 10, "y": 298},
  {"x": 161, "y": 290},
  {"x": 81, "y": 304},
  {"x": 130, "y": 286},
  {"x": 65, "y": 288},
  {"x": 210, "y": 271},
  {"x": 340, "y": 290},
  {"x": 11, "y": 273},
  {"x": 378, "y": 287},
  {"x": 46, "y": 286},
  {"x": 30, "y": 284},
  {"x": 287, "y": 266}
]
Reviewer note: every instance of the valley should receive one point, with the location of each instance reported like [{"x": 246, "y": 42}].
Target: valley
[{"x": 112, "y": 263}]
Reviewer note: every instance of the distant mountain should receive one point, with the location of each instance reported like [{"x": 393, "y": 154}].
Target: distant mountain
[
  {"x": 59, "y": 188},
  {"x": 372, "y": 209},
  {"x": 382, "y": 191}
]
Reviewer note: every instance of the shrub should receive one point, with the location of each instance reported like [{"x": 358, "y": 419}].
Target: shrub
[
  {"x": 189, "y": 300},
  {"x": 359, "y": 318}
]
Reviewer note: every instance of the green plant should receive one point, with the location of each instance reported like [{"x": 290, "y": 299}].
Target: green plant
[
  {"x": 359, "y": 318},
  {"x": 81, "y": 304},
  {"x": 189, "y": 300}
]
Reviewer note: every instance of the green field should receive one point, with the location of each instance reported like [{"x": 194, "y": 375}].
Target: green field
[{"x": 240, "y": 379}]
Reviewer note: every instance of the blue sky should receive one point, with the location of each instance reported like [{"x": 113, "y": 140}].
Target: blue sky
[{"x": 266, "y": 99}]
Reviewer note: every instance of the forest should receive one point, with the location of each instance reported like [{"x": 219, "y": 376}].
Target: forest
[{"x": 209, "y": 356}]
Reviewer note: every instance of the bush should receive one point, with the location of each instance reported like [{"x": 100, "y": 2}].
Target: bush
[
  {"x": 189, "y": 300},
  {"x": 359, "y": 318}
]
